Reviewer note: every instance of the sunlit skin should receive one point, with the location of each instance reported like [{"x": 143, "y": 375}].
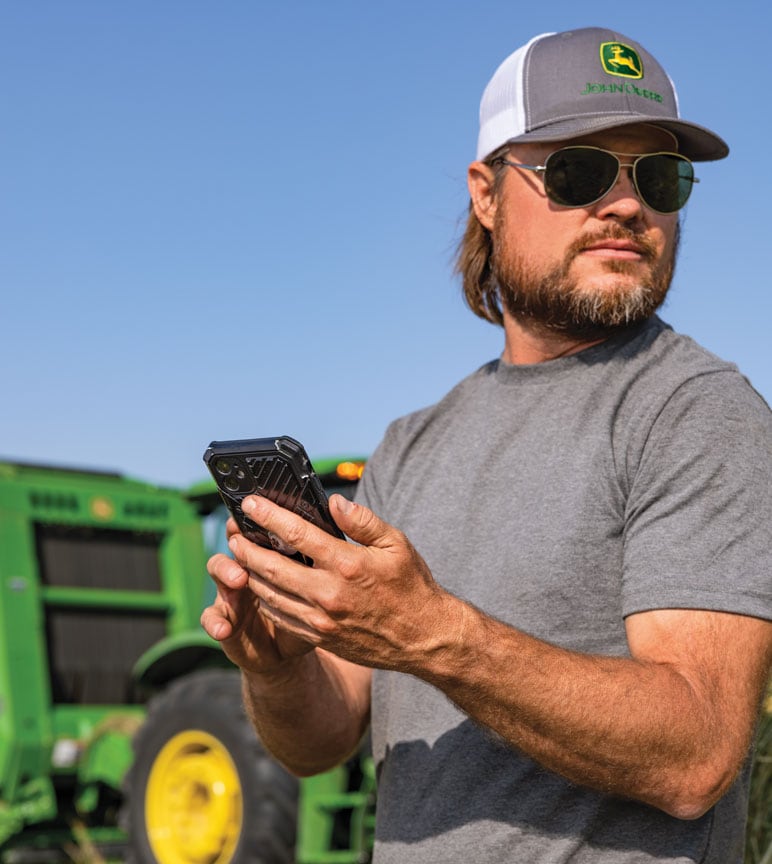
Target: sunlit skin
[
  {"x": 669, "y": 725},
  {"x": 528, "y": 226}
]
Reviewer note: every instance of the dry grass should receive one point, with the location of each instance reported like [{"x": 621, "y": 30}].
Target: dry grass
[
  {"x": 758, "y": 838},
  {"x": 83, "y": 850}
]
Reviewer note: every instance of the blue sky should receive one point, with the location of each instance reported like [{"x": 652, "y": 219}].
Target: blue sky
[{"x": 237, "y": 219}]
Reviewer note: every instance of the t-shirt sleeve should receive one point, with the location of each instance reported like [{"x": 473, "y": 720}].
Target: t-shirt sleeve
[
  {"x": 698, "y": 521},
  {"x": 373, "y": 488}
]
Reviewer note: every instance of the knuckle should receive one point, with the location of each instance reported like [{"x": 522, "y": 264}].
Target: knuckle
[
  {"x": 296, "y": 532},
  {"x": 270, "y": 567},
  {"x": 325, "y": 626},
  {"x": 270, "y": 599},
  {"x": 219, "y": 566},
  {"x": 214, "y": 563},
  {"x": 348, "y": 566},
  {"x": 335, "y": 607},
  {"x": 335, "y": 603},
  {"x": 268, "y": 612}
]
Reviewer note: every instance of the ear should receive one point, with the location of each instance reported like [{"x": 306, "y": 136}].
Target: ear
[{"x": 480, "y": 179}]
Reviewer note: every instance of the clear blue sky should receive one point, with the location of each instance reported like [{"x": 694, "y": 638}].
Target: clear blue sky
[{"x": 237, "y": 219}]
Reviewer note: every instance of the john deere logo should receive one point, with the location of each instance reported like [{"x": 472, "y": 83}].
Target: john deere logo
[{"x": 619, "y": 59}]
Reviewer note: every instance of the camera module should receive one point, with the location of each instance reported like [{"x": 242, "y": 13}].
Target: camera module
[{"x": 223, "y": 467}]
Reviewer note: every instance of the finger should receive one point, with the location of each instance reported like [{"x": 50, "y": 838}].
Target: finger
[
  {"x": 271, "y": 574},
  {"x": 360, "y": 523},
  {"x": 289, "y": 593},
  {"x": 227, "y": 572},
  {"x": 220, "y": 620},
  {"x": 289, "y": 527},
  {"x": 288, "y": 614},
  {"x": 216, "y": 623}
]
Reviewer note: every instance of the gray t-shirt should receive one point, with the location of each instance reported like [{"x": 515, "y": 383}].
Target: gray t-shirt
[{"x": 559, "y": 498}]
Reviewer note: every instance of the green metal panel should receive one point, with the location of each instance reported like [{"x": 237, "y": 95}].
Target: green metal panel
[
  {"x": 25, "y": 732},
  {"x": 105, "y": 760},
  {"x": 103, "y": 598},
  {"x": 316, "y": 818},
  {"x": 35, "y": 802},
  {"x": 328, "y": 802},
  {"x": 85, "y": 723},
  {"x": 184, "y": 573}
]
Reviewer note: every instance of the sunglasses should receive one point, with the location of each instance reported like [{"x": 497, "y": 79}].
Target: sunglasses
[{"x": 581, "y": 176}]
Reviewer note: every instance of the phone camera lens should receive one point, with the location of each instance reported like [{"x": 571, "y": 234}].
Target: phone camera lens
[
  {"x": 223, "y": 467},
  {"x": 231, "y": 484}
]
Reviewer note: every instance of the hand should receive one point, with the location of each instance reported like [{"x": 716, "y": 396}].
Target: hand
[
  {"x": 248, "y": 638},
  {"x": 375, "y": 604}
]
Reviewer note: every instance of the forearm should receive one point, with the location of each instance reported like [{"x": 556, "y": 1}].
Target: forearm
[
  {"x": 312, "y": 713},
  {"x": 623, "y": 726}
]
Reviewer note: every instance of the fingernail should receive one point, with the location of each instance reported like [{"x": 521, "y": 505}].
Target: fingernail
[{"x": 344, "y": 504}]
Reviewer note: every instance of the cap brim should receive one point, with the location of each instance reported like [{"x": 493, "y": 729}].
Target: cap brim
[{"x": 696, "y": 142}]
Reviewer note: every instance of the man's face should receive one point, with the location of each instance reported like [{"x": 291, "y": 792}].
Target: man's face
[{"x": 586, "y": 270}]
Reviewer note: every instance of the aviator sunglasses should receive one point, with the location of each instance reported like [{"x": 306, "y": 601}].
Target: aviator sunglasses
[{"x": 580, "y": 176}]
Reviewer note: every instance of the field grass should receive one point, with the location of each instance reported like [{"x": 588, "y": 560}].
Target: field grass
[{"x": 758, "y": 838}]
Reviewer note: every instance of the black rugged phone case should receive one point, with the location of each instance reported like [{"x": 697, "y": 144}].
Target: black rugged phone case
[{"x": 279, "y": 469}]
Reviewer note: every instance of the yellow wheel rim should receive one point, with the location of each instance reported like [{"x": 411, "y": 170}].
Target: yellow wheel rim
[{"x": 193, "y": 805}]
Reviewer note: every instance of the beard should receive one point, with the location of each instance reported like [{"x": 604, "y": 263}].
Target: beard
[{"x": 556, "y": 302}]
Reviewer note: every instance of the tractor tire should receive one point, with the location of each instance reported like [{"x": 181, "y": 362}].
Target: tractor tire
[{"x": 202, "y": 789}]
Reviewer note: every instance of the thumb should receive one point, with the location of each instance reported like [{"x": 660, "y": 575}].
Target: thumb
[{"x": 360, "y": 523}]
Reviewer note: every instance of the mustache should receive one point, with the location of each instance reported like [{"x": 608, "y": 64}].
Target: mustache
[{"x": 646, "y": 247}]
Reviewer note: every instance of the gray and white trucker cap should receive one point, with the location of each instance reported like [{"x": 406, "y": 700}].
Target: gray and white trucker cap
[{"x": 563, "y": 85}]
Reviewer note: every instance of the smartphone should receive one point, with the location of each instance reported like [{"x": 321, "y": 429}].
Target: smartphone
[{"x": 279, "y": 469}]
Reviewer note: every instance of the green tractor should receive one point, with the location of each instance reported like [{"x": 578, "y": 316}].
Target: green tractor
[{"x": 122, "y": 734}]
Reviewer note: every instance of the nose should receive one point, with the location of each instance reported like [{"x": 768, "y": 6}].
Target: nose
[{"x": 621, "y": 201}]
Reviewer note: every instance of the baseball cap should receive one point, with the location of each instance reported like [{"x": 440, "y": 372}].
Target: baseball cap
[{"x": 564, "y": 85}]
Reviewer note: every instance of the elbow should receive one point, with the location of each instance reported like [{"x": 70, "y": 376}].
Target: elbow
[
  {"x": 689, "y": 808},
  {"x": 311, "y": 769},
  {"x": 697, "y": 791},
  {"x": 321, "y": 762}
]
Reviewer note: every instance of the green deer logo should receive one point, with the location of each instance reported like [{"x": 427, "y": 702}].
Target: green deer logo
[{"x": 620, "y": 59}]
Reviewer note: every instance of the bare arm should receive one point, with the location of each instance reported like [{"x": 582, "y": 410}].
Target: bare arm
[
  {"x": 669, "y": 726},
  {"x": 314, "y": 714},
  {"x": 310, "y": 708}
]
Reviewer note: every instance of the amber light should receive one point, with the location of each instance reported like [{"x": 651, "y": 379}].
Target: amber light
[{"x": 350, "y": 470}]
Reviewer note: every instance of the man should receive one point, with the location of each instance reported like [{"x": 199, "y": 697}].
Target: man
[{"x": 565, "y": 660}]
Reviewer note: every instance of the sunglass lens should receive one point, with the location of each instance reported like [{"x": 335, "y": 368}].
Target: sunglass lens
[
  {"x": 664, "y": 181},
  {"x": 578, "y": 176}
]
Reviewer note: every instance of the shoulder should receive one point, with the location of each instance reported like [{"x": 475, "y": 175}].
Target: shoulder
[
  {"x": 692, "y": 446},
  {"x": 405, "y": 433},
  {"x": 410, "y": 439},
  {"x": 670, "y": 382},
  {"x": 661, "y": 358}
]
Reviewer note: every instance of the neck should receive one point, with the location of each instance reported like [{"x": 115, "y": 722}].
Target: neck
[{"x": 527, "y": 341}]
